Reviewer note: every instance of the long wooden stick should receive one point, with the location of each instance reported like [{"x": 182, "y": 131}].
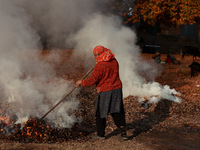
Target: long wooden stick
[{"x": 67, "y": 94}]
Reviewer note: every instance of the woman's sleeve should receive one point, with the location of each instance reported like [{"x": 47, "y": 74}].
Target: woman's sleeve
[{"x": 94, "y": 78}]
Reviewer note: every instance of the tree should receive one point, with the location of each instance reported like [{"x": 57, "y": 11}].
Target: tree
[
  {"x": 169, "y": 12},
  {"x": 121, "y": 7}
]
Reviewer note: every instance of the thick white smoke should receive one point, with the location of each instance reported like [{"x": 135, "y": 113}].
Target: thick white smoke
[
  {"x": 29, "y": 86},
  {"x": 109, "y": 32}
]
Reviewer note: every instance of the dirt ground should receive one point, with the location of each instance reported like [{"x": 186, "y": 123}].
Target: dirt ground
[{"x": 161, "y": 126}]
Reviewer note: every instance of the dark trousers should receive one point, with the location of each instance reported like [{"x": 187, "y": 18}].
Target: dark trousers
[{"x": 119, "y": 119}]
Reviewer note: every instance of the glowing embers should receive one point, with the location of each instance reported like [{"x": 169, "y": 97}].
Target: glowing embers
[
  {"x": 34, "y": 128},
  {"x": 6, "y": 124},
  {"x": 37, "y": 130}
]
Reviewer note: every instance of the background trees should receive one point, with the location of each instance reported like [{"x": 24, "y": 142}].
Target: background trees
[
  {"x": 151, "y": 12},
  {"x": 176, "y": 21}
]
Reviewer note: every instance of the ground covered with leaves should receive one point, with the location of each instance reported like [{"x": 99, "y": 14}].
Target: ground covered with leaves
[{"x": 164, "y": 125}]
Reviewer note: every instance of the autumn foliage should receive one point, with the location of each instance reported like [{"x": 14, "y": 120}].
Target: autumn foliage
[{"x": 177, "y": 12}]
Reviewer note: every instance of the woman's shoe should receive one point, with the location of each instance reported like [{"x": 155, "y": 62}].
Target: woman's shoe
[
  {"x": 98, "y": 137},
  {"x": 123, "y": 135}
]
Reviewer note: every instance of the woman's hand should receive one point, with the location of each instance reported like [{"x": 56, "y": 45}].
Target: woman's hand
[{"x": 78, "y": 83}]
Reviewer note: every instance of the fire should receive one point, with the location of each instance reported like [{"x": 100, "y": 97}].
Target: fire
[
  {"x": 32, "y": 128},
  {"x": 38, "y": 130},
  {"x": 6, "y": 120},
  {"x": 3, "y": 118},
  {"x": 29, "y": 131}
]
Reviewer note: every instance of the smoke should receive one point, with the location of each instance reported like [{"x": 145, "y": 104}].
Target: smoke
[
  {"x": 109, "y": 31},
  {"x": 56, "y": 20},
  {"x": 29, "y": 86}
]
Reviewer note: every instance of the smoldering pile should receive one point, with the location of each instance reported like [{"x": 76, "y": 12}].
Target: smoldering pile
[{"x": 39, "y": 131}]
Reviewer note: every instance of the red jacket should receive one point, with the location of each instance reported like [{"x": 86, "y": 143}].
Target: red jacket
[{"x": 105, "y": 76}]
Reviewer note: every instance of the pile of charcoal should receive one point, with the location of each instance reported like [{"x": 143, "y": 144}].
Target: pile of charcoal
[{"x": 37, "y": 130}]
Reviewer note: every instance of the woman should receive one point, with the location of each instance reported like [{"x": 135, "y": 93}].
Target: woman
[{"x": 109, "y": 87}]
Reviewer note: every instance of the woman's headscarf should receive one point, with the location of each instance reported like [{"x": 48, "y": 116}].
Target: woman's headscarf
[{"x": 102, "y": 54}]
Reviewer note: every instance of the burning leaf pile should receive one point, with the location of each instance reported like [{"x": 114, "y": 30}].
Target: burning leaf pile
[
  {"x": 158, "y": 116},
  {"x": 37, "y": 130}
]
